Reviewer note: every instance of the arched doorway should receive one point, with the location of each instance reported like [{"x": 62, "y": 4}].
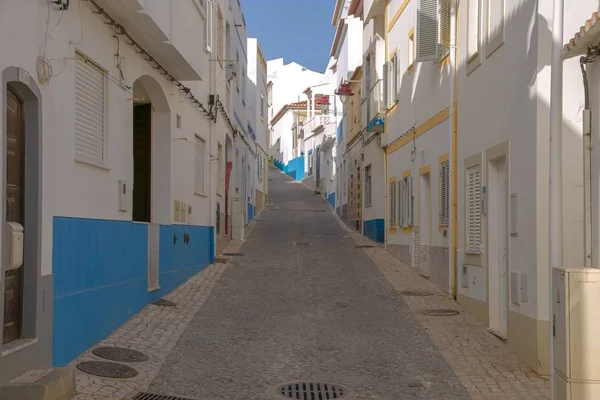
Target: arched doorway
[{"x": 151, "y": 194}]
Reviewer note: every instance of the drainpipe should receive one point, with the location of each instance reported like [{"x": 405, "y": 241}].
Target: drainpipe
[
  {"x": 555, "y": 248},
  {"x": 451, "y": 155},
  {"x": 590, "y": 256}
]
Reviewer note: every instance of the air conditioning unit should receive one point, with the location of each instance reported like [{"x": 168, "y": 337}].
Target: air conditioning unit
[{"x": 575, "y": 325}]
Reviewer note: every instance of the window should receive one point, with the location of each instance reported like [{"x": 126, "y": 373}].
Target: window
[
  {"x": 411, "y": 49},
  {"x": 495, "y": 36},
  {"x": 199, "y": 164},
  {"x": 444, "y": 193},
  {"x": 433, "y": 30},
  {"x": 310, "y": 162},
  {"x": 474, "y": 209},
  {"x": 368, "y": 186},
  {"x": 220, "y": 38},
  {"x": 474, "y": 24},
  {"x": 208, "y": 27},
  {"x": 391, "y": 81},
  {"x": 392, "y": 203},
  {"x": 270, "y": 96},
  {"x": 405, "y": 202},
  {"x": 228, "y": 55},
  {"x": 262, "y": 107},
  {"x": 90, "y": 87}
]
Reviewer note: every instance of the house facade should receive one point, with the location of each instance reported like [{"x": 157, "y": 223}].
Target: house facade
[{"x": 119, "y": 147}]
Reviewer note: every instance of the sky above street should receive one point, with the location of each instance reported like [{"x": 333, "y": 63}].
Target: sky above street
[{"x": 295, "y": 30}]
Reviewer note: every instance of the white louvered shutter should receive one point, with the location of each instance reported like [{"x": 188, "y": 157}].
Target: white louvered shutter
[
  {"x": 199, "y": 152},
  {"x": 397, "y": 76},
  {"x": 474, "y": 209},
  {"x": 427, "y": 31},
  {"x": 386, "y": 84},
  {"x": 445, "y": 193},
  {"x": 391, "y": 83},
  {"x": 393, "y": 204},
  {"x": 401, "y": 203},
  {"x": 444, "y": 28},
  {"x": 409, "y": 196},
  {"x": 89, "y": 112}
]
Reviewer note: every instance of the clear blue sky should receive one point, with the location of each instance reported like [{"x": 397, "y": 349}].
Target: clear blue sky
[{"x": 295, "y": 30}]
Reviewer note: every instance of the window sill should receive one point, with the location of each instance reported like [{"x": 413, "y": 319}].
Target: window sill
[
  {"x": 411, "y": 68},
  {"x": 17, "y": 345},
  {"x": 201, "y": 194},
  {"x": 473, "y": 63},
  {"x": 92, "y": 163},
  {"x": 392, "y": 229}
]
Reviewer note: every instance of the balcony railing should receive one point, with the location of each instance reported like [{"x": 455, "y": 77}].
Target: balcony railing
[{"x": 317, "y": 121}]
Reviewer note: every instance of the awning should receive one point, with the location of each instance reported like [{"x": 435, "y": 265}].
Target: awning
[{"x": 588, "y": 35}]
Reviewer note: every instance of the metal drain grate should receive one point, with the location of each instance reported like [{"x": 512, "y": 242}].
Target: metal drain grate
[
  {"x": 154, "y": 396},
  {"x": 164, "y": 303},
  {"x": 311, "y": 391},
  {"x": 364, "y": 246},
  {"x": 120, "y": 354},
  {"x": 233, "y": 254},
  {"x": 417, "y": 292},
  {"x": 107, "y": 369},
  {"x": 440, "y": 312}
]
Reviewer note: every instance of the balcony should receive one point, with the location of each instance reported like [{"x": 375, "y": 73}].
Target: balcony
[
  {"x": 148, "y": 22},
  {"x": 373, "y": 8},
  {"x": 373, "y": 108}
]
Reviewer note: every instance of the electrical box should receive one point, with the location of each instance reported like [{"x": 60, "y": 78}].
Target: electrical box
[
  {"x": 14, "y": 236},
  {"x": 122, "y": 196},
  {"x": 575, "y": 325},
  {"x": 183, "y": 212}
]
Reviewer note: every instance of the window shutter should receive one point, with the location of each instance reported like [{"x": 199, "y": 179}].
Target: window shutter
[
  {"x": 474, "y": 209},
  {"x": 445, "y": 24},
  {"x": 199, "y": 151},
  {"x": 401, "y": 205},
  {"x": 391, "y": 83},
  {"x": 427, "y": 30},
  {"x": 397, "y": 76},
  {"x": 409, "y": 219},
  {"x": 386, "y": 95},
  {"x": 208, "y": 34},
  {"x": 445, "y": 193},
  {"x": 89, "y": 111},
  {"x": 392, "y": 204}
]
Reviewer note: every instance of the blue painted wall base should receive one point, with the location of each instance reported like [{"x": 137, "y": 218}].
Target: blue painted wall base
[
  {"x": 331, "y": 200},
  {"x": 250, "y": 212},
  {"x": 374, "y": 230},
  {"x": 100, "y": 273},
  {"x": 294, "y": 169}
]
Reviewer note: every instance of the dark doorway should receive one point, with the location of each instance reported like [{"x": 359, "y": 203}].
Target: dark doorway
[
  {"x": 142, "y": 162},
  {"x": 15, "y": 188}
]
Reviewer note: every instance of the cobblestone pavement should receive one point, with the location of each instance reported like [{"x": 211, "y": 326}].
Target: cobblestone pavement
[
  {"x": 303, "y": 303},
  {"x": 154, "y": 331}
]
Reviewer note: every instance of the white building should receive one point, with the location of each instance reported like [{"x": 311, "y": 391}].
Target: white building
[
  {"x": 285, "y": 91},
  {"x": 346, "y": 50},
  {"x": 110, "y": 105}
]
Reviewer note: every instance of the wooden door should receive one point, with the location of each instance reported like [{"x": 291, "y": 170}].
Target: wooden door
[
  {"x": 142, "y": 162},
  {"x": 15, "y": 179}
]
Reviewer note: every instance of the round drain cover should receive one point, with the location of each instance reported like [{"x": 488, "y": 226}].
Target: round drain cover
[
  {"x": 312, "y": 390},
  {"x": 120, "y": 354},
  {"x": 416, "y": 292},
  {"x": 107, "y": 369},
  {"x": 440, "y": 312}
]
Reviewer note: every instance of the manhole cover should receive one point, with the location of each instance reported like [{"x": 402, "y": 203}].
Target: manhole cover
[
  {"x": 417, "y": 292},
  {"x": 233, "y": 254},
  {"x": 120, "y": 354},
  {"x": 164, "y": 303},
  {"x": 312, "y": 390},
  {"x": 440, "y": 312},
  {"x": 107, "y": 369},
  {"x": 364, "y": 246},
  {"x": 154, "y": 396}
]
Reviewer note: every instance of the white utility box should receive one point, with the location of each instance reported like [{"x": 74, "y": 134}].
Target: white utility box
[
  {"x": 15, "y": 239},
  {"x": 576, "y": 326}
]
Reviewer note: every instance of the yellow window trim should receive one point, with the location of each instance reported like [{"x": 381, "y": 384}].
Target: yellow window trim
[
  {"x": 406, "y": 173},
  {"x": 392, "y": 54},
  {"x": 411, "y": 65},
  {"x": 445, "y": 60},
  {"x": 390, "y": 111},
  {"x": 392, "y": 229},
  {"x": 421, "y": 129},
  {"x": 443, "y": 158},
  {"x": 441, "y": 228},
  {"x": 397, "y": 15},
  {"x": 407, "y": 229},
  {"x": 392, "y": 179},
  {"x": 425, "y": 169}
]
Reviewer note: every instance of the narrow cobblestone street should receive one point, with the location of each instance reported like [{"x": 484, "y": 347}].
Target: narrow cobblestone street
[{"x": 302, "y": 302}]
